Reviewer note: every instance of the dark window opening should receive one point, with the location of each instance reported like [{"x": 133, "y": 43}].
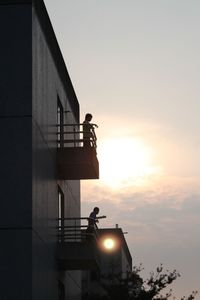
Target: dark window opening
[
  {"x": 60, "y": 214},
  {"x": 60, "y": 123}
]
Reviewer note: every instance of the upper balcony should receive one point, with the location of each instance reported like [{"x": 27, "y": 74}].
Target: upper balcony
[
  {"x": 76, "y": 155},
  {"x": 77, "y": 249}
]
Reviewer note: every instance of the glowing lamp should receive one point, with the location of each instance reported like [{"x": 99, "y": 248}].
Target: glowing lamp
[{"x": 109, "y": 243}]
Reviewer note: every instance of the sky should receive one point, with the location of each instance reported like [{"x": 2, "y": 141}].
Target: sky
[{"x": 135, "y": 66}]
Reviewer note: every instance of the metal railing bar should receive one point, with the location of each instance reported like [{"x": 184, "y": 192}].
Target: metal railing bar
[
  {"x": 73, "y": 218},
  {"x": 79, "y": 227},
  {"x": 73, "y": 236},
  {"x": 61, "y": 231},
  {"x": 70, "y": 235},
  {"x": 72, "y": 132},
  {"x": 75, "y": 124},
  {"x": 72, "y": 141}
]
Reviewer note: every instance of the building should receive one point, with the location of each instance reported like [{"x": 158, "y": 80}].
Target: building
[
  {"x": 44, "y": 251},
  {"x": 41, "y": 166},
  {"x": 116, "y": 260},
  {"x": 115, "y": 263}
]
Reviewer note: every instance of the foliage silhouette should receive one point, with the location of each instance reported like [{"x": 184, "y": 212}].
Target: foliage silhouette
[{"x": 135, "y": 288}]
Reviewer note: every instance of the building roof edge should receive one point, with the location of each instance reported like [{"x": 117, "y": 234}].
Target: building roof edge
[{"x": 52, "y": 42}]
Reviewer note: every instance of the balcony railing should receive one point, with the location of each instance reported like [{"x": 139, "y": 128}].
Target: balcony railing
[
  {"x": 74, "y": 135},
  {"x": 75, "y": 230},
  {"x": 77, "y": 248},
  {"x": 77, "y": 156}
]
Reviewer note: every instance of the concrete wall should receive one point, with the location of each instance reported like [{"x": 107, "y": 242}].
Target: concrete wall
[
  {"x": 15, "y": 152},
  {"x": 47, "y": 87},
  {"x": 126, "y": 267},
  {"x": 30, "y": 84},
  {"x": 16, "y": 73}
]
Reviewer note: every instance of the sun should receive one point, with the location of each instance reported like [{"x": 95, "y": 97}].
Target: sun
[{"x": 122, "y": 159}]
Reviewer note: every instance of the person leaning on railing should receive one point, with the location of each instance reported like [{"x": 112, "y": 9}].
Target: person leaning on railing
[
  {"x": 88, "y": 131},
  {"x": 92, "y": 220}
]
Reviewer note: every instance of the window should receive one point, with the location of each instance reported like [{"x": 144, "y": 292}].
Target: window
[
  {"x": 60, "y": 123},
  {"x": 60, "y": 214}
]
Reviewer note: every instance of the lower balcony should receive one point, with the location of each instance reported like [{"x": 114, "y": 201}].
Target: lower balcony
[
  {"x": 77, "y": 249},
  {"x": 77, "y": 256}
]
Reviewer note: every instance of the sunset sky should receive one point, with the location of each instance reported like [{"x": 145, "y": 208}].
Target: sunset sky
[{"x": 135, "y": 65}]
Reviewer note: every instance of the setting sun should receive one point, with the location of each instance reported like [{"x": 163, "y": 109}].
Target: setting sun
[{"x": 122, "y": 159}]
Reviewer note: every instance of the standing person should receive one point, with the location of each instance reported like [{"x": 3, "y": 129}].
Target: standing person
[
  {"x": 87, "y": 130},
  {"x": 92, "y": 220}
]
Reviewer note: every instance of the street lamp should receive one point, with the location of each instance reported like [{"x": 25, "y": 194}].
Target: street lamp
[{"x": 109, "y": 243}]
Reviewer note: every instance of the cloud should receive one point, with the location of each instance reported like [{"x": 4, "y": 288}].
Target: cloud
[
  {"x": 162, "y": 219},
  {"x": 166, "y": 211}
]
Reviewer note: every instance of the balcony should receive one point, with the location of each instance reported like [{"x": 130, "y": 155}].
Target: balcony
[
  {"x": 77, "y": 249},
  {"x": 76, "y": 156}
]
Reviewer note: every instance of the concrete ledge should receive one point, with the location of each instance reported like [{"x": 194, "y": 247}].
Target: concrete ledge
[
  {"x": 77, "y": 163},
  {"x": 77, "y": 256}
]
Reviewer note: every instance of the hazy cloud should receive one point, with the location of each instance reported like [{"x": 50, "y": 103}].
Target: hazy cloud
[{"x": 162, "y": 221}]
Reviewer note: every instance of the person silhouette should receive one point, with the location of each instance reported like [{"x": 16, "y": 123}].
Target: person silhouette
[
  {"x": 89, "y": 136},
  {"x": 92, "y": 220},
  {"x": 87, "y": 130}
]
